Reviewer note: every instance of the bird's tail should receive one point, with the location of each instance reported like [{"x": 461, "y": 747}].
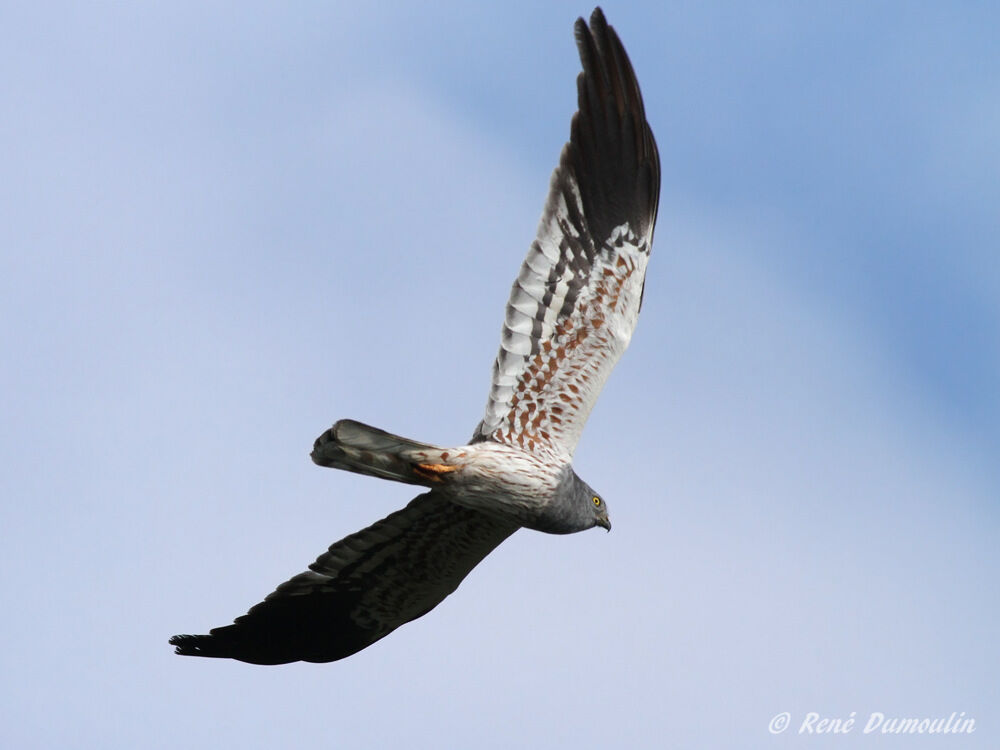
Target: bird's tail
[{"x": 356, "y": 447}]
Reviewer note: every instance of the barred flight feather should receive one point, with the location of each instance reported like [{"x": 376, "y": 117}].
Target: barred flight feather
[{"x": 575, "y": 302}]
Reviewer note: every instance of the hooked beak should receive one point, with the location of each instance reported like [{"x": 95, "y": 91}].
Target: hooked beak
[{"x": 604, "y": 522}]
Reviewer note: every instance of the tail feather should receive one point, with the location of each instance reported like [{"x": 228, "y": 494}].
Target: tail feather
[{"x": 356, "y": 447}]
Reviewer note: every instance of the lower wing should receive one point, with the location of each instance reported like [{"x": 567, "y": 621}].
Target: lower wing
[{"x": 361, "y": 589}]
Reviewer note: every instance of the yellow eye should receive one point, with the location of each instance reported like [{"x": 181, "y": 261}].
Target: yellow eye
[{"x": 597, "y": 501}]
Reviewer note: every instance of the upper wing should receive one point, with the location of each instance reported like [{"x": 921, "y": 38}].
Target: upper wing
[
  {"x": 361, "y": 589},
  {"x": 575, "y": 302}
]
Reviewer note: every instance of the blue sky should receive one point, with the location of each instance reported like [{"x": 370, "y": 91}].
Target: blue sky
[{"x": 221, "y": 230}]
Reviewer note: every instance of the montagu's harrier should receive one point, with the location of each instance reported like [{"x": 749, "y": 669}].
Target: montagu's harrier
[{"x": 570, "y": 316}]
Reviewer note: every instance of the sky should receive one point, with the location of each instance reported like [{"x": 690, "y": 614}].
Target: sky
[{"x": 222, "y": 229}]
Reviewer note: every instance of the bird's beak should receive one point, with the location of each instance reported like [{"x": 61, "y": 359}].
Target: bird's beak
[{"x": 604, "y": 522}]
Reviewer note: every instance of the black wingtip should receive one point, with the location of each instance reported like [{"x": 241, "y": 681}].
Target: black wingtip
[
  {"x": 184, "y": 645},
  {"x": 613, "y": 152},
  {"x": 191, "y": 645},
  {"x": 597, "y": 22},
  {"x": 213, "y": 646}
]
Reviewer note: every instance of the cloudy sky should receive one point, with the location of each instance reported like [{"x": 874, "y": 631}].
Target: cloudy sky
[{"x": 223, "y": 228}]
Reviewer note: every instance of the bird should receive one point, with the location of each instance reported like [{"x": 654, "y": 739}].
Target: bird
[{"x": 570, "y": 315}]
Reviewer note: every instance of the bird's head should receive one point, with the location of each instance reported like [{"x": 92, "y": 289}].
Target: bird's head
[
  {"x": 590, "y": 505},
  {"x": 574, "y": 507}
]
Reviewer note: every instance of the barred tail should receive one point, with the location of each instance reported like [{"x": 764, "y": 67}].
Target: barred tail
[{"x": 356, "y": 447}]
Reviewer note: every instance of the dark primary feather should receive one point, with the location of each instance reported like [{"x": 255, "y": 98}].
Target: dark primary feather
[
  {"x": 612, "y": 153},
  {"x": 361, "y": 589}
]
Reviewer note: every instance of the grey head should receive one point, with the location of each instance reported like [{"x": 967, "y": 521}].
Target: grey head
[{"x": 574, "y": 507}]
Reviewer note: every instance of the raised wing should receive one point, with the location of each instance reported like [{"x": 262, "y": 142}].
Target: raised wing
[
  {"x": 361, "y": 589},
  {"x": 575, "y": 302}
]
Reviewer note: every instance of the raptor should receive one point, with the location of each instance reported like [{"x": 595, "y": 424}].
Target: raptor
[{"x": 570, "y": 316}]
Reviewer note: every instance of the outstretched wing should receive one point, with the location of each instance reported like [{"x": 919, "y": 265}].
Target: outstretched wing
[
  {"x": 575, "y": 302},
  {"x": 361, "y": 589}
]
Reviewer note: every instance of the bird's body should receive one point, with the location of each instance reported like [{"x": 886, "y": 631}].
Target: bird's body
[
  {"x": 570, "y": 316},
  {"x": 503, "y": 481}
]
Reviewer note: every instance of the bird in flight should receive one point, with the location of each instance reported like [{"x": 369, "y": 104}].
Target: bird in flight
[{"x": 571, "y": 313}]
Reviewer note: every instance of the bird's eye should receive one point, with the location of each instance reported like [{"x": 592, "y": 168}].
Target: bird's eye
[{"x": 597, "y": 501}]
